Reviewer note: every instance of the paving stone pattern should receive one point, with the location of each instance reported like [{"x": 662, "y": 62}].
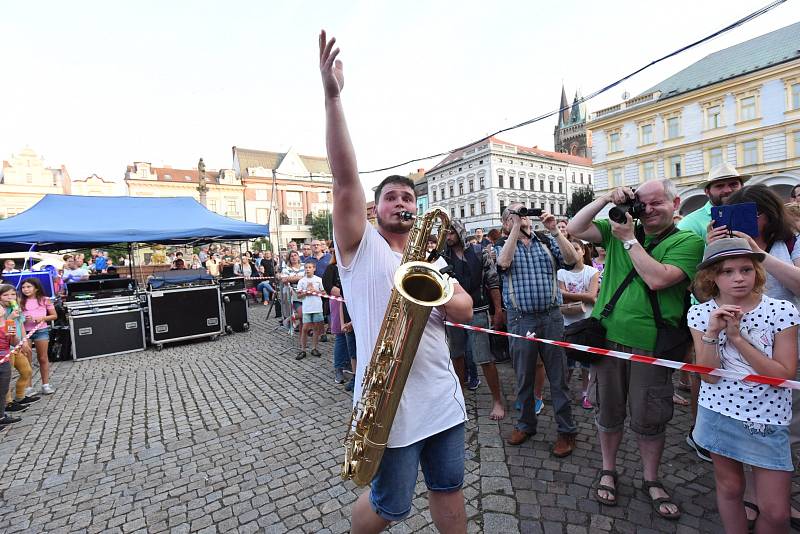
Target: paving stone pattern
[{"x": 236, "y": 436}]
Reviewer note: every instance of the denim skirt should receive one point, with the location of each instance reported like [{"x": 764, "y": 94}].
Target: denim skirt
[{"x": 757, "y": 444}]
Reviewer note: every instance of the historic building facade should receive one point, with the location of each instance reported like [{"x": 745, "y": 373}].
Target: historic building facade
[
  {"x": 475, "y": 184},
  {"x": 25, "y": 179},
  {"x": 283, "y": 189},
  {"x": 570, "y": 135},
  {"x": 740, "y": 105},
  {"x": 225, "y": 194},
  {"x": 95, "y": 186}
]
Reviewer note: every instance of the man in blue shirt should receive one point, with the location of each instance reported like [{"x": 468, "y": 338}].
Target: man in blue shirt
[
  {"x": 723, "y": 181},
  {"x": 529, "y": 263},
  {"x": 100, "y": 262}
]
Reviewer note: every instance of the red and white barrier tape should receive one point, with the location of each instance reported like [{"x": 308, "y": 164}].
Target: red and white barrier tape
[
  {"x": 19, "y": 345},
  {"x": 651, "y": 360}
]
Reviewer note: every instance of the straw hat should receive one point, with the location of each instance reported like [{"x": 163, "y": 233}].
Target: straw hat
[
  {"x": 728, "y": 247},
  {"x": 724, "y": 172}
]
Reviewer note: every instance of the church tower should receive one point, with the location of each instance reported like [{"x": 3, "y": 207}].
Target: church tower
[{"x": 569, "y": 136}]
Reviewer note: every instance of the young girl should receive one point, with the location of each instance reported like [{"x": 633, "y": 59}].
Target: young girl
[
  {"x": 37, "y": 308},
  {"x": 743, "y": 330},
  {"x": 579, "y": 289},
  {"x": 11, "y": 313}
]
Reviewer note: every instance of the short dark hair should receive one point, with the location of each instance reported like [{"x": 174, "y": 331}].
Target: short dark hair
[
  {"x": 779, "y": 227},
  {"x": 394, "y": 179}
]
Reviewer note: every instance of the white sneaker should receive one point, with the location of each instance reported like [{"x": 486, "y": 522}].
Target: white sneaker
[
  {"x": 47, "y": 389},
  {"x": 30, "y": 392}
]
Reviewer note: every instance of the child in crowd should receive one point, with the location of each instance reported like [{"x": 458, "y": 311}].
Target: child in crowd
[
  {"x": 20, "y": 361},
  {"x": 743, "y": 330},
  {"x": 37, "y": 309},
  {"x": 312, "y": 310},
  {"x": 579, "y": 289}
]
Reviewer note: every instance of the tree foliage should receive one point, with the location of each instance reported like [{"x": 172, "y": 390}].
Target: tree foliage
[
  {"x": 321, "y": 226},
  {"x": 580, "y": 198}
]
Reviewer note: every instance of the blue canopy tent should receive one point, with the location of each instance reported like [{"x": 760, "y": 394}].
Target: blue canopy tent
[{"x": 59, "y": 222}]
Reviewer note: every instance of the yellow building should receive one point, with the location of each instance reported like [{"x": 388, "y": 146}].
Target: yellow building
[
  {"x": 225, "y": 191},
  {"x": 740, "y": 105},
  {"x": 95, "y": 186},
  {"x": 25, "y": 179}
]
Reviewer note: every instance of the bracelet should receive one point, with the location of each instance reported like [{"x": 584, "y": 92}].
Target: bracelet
[{"x": 709, "y": 340}]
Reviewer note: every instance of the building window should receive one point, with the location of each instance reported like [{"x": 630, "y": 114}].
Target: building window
[
  {"x": 481, "y": 183},
  {"x": 714, "y": 157},
  {"x": 461, "y": 210},
  {"x": 501, "y": 181},
  {"x": 747, "y": 108},
  {"x": 521, "y": 182},
  {"x": 450, "y": 190},
  {"x": 502, "y": 207},
  {"x": 713, "y": 117},
  {"x": 483, "y": 208},
  {"x": 541, "y": 185},
  {"x": 552, "y": 207},
  {"x": 461, "y": 189},
  {"x": 561, "y": 209},
  {"x": 616, "y": 177},
  {"x": 472, "y": 210},
  {"x": 434, "y": 195},
  {"x": 648, "y": 170},
  {"x": 296, "y": 217},
  {"x": 452, "y": 213},
  {"x": 573, "y": 177},
  {"x": 212, "y": 205},
  {"x": 675, "y": 167},
  {"x": 797, "y": 144},
  {"x": 29, "y": 178},
  {"x": 471, "y": 186},
  {"x": 541, "y": 205},
  {"x": 646, "y": 134},
  {"x": 613, "y": 142},
  {"x": 293, "y": 199},
  {"x": 551, "y": 187},
  {"x": 511, "y": 182},
  {"x": 673, "y": 127},
  {"x": 441, "y": 193},
  {"x": 795, "y": 98},
  {"x": 530, "y": 183},
  {"x": 560, "y": 187},
  {"x": 581, "y": 177},
  {"x": 750, "y": 152}
]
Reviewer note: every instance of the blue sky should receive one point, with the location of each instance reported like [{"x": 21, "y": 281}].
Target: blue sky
[{"x": 96, "y": 85}]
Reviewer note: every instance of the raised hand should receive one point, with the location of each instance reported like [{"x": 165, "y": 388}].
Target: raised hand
[{"x": 330, "y": 68}]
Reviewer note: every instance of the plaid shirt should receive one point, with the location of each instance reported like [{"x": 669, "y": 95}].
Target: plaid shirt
[{"x": 532, "y": 277}]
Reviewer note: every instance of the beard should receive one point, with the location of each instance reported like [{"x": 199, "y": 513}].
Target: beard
[
  {"x": 399, "y": 227},
  {"x": 718, "y": 200}
]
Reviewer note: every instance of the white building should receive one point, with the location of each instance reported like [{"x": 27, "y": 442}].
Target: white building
[
  {"x": 740, "y": 105},
  {"x": 477, "y": 183}
]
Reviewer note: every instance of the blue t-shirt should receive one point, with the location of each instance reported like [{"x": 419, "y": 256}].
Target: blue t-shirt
[{"x": 100, "y": 263}]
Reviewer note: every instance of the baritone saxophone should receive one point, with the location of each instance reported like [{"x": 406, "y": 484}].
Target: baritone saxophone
[{"x": 418, "y": 287}]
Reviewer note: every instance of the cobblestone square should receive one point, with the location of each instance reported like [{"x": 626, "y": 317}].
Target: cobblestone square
[{"x": 237, "y": 436}]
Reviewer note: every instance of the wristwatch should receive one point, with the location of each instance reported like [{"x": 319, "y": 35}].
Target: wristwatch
[{"x": 628, "y": 244}]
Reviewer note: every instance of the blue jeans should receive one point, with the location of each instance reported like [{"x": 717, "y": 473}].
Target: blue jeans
[
  {"x": 546, "y": 325},
  {"x": 266, "y": 290},
  {"x": 442, "y": 460},
  {"x": 344, "y": 349}
]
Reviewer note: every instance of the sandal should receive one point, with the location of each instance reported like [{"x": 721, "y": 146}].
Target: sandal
[
  {"x": 678, "y": 400},
  {"x": 659, "y": 501},
  {"x": 683, "y": 386},
  {"x": 612, "y": 491},
  {"x": 751, "y": 523}
]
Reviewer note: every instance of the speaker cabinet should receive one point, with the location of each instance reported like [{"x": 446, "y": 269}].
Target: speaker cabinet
[
  {"x": 235, "y": 306},
  {"x": 107, "y": 333},
  {"x": 184, "y": 313}
]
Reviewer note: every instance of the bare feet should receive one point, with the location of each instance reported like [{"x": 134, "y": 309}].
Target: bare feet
[{"x": 498, "y": 412}]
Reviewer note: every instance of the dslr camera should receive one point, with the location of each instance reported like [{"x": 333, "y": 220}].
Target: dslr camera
[
  {"x": 525, "y": 212},
  {"x": 634, "y": 206}
]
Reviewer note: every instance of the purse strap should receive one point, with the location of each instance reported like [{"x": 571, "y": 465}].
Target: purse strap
[{"x": 609, "y": 307}]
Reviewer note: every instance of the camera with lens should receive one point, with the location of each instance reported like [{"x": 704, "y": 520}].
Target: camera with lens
[
  {"x": 525, "y": 212},
  {"x": 634, "y": 206}
]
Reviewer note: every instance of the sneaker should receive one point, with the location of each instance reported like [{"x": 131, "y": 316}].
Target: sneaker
[
  {"x": 586, "y": 404},
  {"x": 338, "y": 376},
  {"x": 300, "y": 355},
  {"x": 702, "y": 453},
  {"x": 350, "y": 385},
  {"x": 30, "y": 392},
  {"x": 316, "y": 353},
  {"x": 47, "y": 389},
  {"x": 29, "y": 400},
  {"x": 474, "y": 383},
  {"x": 538, "y": 406},
  {"x": 7, "y": 420},
  {"x": 15, "y": 406}
]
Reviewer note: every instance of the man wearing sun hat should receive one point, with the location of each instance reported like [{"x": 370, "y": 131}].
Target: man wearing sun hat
[{"x": 723, "y": 181}]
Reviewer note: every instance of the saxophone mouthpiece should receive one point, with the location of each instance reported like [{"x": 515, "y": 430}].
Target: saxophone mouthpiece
[{"x": 407, "y": 215}]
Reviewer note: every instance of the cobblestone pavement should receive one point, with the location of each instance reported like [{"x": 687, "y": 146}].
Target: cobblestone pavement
[{"x": 235, "y": 435}]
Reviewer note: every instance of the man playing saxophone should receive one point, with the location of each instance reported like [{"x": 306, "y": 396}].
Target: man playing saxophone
[{"x": 428, "y": 428}]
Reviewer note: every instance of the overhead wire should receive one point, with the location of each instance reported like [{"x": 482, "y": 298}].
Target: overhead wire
[{"x": 729, "y": 27}]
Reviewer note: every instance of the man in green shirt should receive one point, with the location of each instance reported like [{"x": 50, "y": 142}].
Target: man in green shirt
[{"x": 647, "y": 389}]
